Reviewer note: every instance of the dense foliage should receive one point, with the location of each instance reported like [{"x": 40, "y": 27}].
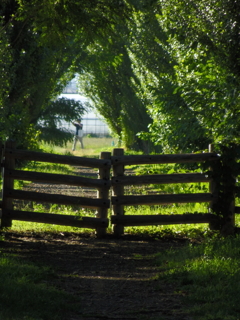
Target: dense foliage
[
  {"x": 165, "y": 71},
  {"x": 109, "y": 81},
  {"x": 178, "y": 59},
  {"x": 204, "y": 38},
  {"x": 40, "y": 42},
  {"x": 188, "y": 60}
]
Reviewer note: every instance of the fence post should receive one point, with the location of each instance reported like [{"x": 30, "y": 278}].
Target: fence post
[
  {"x": 103, "y": 193},
  {"x": 229, "y": 189},
  {"x": 7, "y": 203},
  {"x": 118, "y": 170},
  {"x": 224, "y": 188},
  {"x": 215, "y": 224},
  {"x": 1, "y": 168}
]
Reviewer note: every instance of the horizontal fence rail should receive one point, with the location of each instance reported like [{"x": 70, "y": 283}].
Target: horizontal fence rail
[
  {"x": 143, "y": 220},
  {"x": 161, "y": 199},
  {"x": 59, "y": 219},
  {"x": 57, "y": 198},
  {"x": 56, "y": 158},
  {"x": 161, "y": 179},
  {"x": 165, "y": 158},
  {"x": 57, "y": 178}
]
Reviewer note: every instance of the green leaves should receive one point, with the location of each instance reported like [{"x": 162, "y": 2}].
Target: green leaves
[
  {"x": 193, "y": 96},
  {"x": 165, "y": 70},
  {"x": 41, "y": 43},
  {"x": 57, "y": 111},
  {"x": 108, "y": 80}
]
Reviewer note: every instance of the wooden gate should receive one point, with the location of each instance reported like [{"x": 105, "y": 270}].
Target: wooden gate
[
  {"x": 113, "y": 165},
  {"x": 119, "y": 199}
]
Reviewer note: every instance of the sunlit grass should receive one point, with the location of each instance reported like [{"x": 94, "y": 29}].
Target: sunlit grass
[
  {"x": 206, "y": 277},
  {"x": 22, "y": 226},
  {"x": 92, "y": 147}
]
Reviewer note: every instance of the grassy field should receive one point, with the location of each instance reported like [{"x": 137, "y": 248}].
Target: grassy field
[
  {"x": 205, "y": 271},
  {"x": 92, "y": 147}
]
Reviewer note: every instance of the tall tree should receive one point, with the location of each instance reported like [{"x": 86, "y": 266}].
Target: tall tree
[
  {"x": 204, "y": 39},
  {"x": 178, "y": 60},
  {"x": 109, "y": 81},
  {"x": 42, "y": 40},
  {"x": 189, "y": 71},
  {"x": 34, "y": 75},
  {"x": 174, "y": 126}
]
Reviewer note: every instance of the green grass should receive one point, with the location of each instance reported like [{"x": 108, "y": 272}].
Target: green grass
[
  {"x": 206, "y": 276},
  {"x": 25, "y": 292},
  {"x": 92, "y": 147}
]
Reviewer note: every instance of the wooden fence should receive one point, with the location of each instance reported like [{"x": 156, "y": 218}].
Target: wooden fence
[
  {"x": 117, "y": 162},
  {"x": 102, "y": 184}
]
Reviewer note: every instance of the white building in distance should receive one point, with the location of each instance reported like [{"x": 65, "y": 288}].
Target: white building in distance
[{"x": 93, "y": 124}]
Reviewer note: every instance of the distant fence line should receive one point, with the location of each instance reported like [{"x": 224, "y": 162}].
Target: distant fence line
[
  {"x": 94, "y": 126},
  {"x": 110, "y": 191}
]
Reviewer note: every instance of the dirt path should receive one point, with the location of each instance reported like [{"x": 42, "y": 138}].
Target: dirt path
[{"x": 113, "y": 278}]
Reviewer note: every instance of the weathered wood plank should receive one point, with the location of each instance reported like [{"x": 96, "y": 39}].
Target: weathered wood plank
[
  {"x": 161, "y": 179},
  {"x": 237, "y": 210},
  {"x": 57, "y": 178},
  {"x": 8, "y": 183},
  {"x": 55, "y": 158},
  {"x": 164, "y": 158},
  {"x": 145, "y": 220},
  {"x": 58, "y": 198},
  {"x": 118, "y": 190},
  {"x": 58, "y": 219},
  {"x": 214, "y": 191},
  {"x": 103, "y": 193},
  {"x": 161, "y": 199}
]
